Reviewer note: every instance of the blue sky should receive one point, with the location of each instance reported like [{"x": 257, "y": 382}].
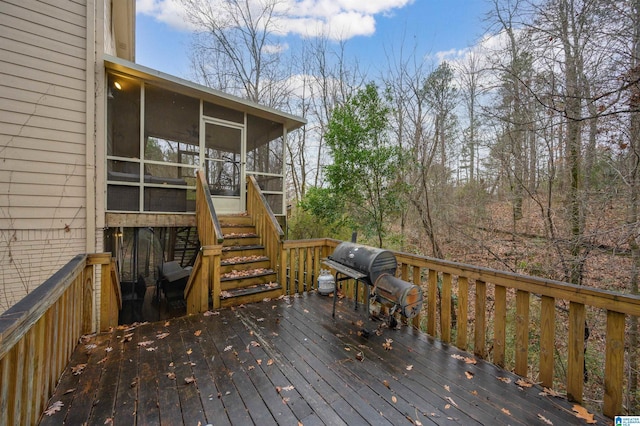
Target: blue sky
[{"x": 162, "y": 38}]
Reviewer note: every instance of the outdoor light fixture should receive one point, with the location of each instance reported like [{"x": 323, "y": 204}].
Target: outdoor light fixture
[{"x": 117, "y": 85}]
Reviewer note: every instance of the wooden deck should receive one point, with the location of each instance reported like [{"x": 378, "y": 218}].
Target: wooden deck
[{"x": 288, "y": 362}]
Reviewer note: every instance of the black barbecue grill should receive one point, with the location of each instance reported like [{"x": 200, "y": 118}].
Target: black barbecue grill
[{"x": 376, "y": 268}]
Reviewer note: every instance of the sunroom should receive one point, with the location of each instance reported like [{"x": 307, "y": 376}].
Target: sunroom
[{"x": 161, "y": 129}]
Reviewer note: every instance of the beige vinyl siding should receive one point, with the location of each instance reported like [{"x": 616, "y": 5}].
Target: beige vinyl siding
[{"x": 42, "y": 141}]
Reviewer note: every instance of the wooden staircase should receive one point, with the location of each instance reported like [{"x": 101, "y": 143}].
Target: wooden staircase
[{"x": 247, "y": 273}]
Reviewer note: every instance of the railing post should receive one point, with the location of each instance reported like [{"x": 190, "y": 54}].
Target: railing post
[
  {"x": 614, "y": 364},
  {"x": 463, "y": 313},
  {"x": 445, "y": 312},
  {"x": 575, "y": 373},
  {"x": 522, "y": 333},
  {"x": 547, "y": 339},
  {"x": 500, "y": 325},
  {"x": 480, "y": 331},
  {"x": 432, "y": 301}
]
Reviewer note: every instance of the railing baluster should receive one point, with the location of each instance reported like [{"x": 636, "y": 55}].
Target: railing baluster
[
  {"x": 500, "y": 325},
  {"x": 614, "y": 364},
  {"x": 445, "y": 312},
  {"x": 522, "y": 333},
  {"x": 417, "y": 280},
  {"x": 547, "y": 340},
  {"x": 432, "y": 302},
  {"x": 575, "y": 373},
  {"x": 480, "y": 331},
  {"x": 463, "y": 312}
]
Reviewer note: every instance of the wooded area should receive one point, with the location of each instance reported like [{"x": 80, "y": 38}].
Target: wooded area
[{"x": 521, "y": 153}]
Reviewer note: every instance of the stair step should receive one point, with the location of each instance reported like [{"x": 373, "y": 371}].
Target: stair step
[
  {"x": 247, "y": 278},
  {"x": 250, "y": 250},
  {"x": 241, "y": 239},
  {"x": 241, "y": 263},
  {"x": 256, "y": 293},
  {"x": 233, "y": 220}
]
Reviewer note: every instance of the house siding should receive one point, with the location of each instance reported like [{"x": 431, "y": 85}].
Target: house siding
[{"x": 42, "y": 141}]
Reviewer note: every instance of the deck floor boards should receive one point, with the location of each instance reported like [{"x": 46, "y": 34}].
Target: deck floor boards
[{"x": 289, "y": 362}]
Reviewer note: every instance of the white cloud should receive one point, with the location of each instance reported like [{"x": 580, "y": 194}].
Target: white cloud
[{"x": 336, "y": 19}]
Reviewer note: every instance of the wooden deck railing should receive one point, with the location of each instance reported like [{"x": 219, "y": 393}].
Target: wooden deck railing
[
  {"x": 487, "y": 296},
  {"x": 205, "y": 276},
  {"x": 39, "y": 333},
  {"x": 265, "y": 222}
]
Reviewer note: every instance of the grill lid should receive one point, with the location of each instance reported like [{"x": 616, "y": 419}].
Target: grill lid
[{"x": 368, "y": 260}]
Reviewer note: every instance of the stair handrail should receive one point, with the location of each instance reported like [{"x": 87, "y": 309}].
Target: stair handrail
[
  {"x": 209, "y": 229},
  {"x": 265, "y": 221},
  {"x": 205, "y": 276}
]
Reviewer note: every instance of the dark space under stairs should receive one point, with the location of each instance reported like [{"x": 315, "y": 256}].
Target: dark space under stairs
[{"x": 247, "y": 273}]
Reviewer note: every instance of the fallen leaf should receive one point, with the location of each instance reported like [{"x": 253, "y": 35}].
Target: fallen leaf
[
  {"x": 387, "y": 344},
  {"x": 53, "y": 408},
  {"x": 504, "y": 379},
  {"x": 446, "y": 407},
  {"x": 474, "y": 392},
  {"x": 447, "y": 388},
  {"x": 260, "y": 319},
  {"x": 69, "y": 391},
  {"x": 306, "y": 311},
  {"x": 360, "y": 356},
  {"x": 102, "y": 360},
  {"x": 523, "y": 383},
  {"x": 189, "y": 351},
  {"x": 544, "y": 419},
  {"x": 255, "y": 344},
  {"x": 171, "y": 375},
  {"x": 466, "y": 359},
  {"x": 468, "y": 374},
  {"x": 145, "y": 343},
  {"x": 167, "y": 323},
  {"x": 251, "y": 367},
  {"x": 270, "y": 362},
  {"x": 507, "y": 412},
  {"x": 210, "y": 313},
  {"x": 259, "y": 361},
  {"x": 189, "y": 379},
  {"x": 550, "y": 392},
  {"x": 151, "y": 349},
  {"x": 228, "y": 348},
  {"x": 78, "y": 369},
  {"x": 451, "y": 401},
  {"x": 108, "y": 349},
  {"x": 288, "y": 388},
  {"x": 161, "y": 336},
  {"x": 409, "y": 367},
  {"x": 197, "y": 333},
  {"x": 394, "y": 399},
  {"x": 386, "y": 383},
  {"x": 582, "y": 413}
]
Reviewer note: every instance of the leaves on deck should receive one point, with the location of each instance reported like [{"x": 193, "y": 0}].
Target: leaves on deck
[
  {"x": 197, "y": 333},
  {"x": 583, "y": 414},
  {"x": 145, "y": 343},
  {"x": 524, "y": 383},
  {"x": 189, "y": 379},
  {"x": 545, "y": 420},
  {"x": 409, "y": 367},
  {"x": 466, "y": 359},
  {"x": 161, "y": 336},
  {"x": 550, "y": 392},
  {"x": 506, "y": 411},
  {"x": 469, "y": 374},
  {"x": 387, "y": 344},
  {"x": 78, "y": 369},
  {"x": 54, "y": 408},
  {"x": 448, "y": 398},
  {"x": 228, "y": 348},
  {"x": 504, "y": 379}
]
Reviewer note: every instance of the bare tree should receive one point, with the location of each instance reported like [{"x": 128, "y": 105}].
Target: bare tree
[{"x": 237, "y": 49}]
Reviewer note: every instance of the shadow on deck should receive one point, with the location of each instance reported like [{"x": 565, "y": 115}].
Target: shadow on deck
[{"x": 288, "y": 362}]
